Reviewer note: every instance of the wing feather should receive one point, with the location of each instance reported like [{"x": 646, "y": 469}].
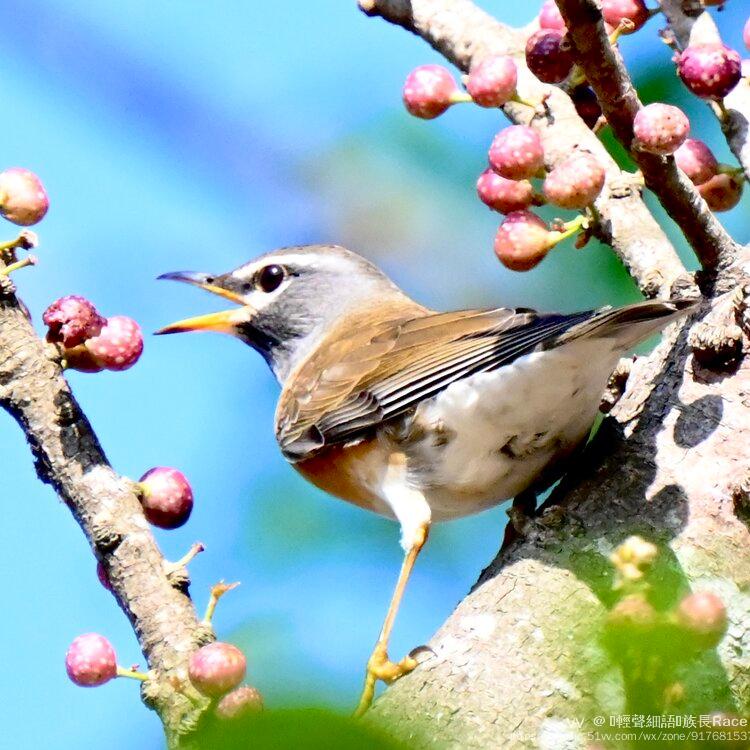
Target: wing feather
[{"x": 343, "y": 391}]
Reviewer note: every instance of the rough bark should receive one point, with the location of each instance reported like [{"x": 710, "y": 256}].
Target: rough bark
[{"x": 68, "y": 456}]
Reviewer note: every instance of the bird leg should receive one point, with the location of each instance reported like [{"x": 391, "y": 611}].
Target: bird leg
[{"x": 379, "y": 666}]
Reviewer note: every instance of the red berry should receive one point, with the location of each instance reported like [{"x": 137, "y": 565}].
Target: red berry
[
  {"x": 492, "y": 82},
  {"x": 101, "y": 574},
  {"x": 746, "y": 33},
  {"x": 660, "y": 128},
  {"x": 696, "y": 160},
  {"x": 504, "y": 195},
  {"x": 119, "y": 344},
  {"x": 587, "y": 105},
  {"x": 91, "y": 660},
  {"x": 710, "y": 71},
  {"x": 166, "y": 497},
  {"x": 522, "y": 241},
  {"x": 516, "y": 153},
  {"x": 615, "y": 11},
  {"x": 217, "y": 668},
  {"x": 243, "y": 701},
  {"x": 71, "y": 320},
  {"x": 23, "y": 199},
  {"x": 704, "y": 615},
  {"x": 722, "y": 192},
  {"x": 576, "y": 182},
  {"x": 550, "y": 17},
  {"x": 548, "y": 55},
  {"x": 429, "y": 90}
]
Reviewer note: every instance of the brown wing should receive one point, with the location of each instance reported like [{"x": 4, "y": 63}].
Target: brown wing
[{"x": 378, "y": 372}]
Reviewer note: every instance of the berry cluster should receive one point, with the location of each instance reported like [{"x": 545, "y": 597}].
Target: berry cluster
[
  {"x": 87, "y": 341},
  {"x": 517, "y": 157},
  {"x": 215, "y": 670},
  {"x": 647, "y": 633}
]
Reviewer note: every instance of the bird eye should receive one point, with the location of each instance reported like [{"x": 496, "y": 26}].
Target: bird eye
[{"x": 270, "y": 277}]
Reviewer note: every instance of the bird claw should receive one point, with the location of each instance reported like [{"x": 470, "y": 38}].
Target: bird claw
[{"x": 380, "y": 667}]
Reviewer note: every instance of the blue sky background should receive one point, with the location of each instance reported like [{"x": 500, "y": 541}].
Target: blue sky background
[{"x": 186, "y": 135}]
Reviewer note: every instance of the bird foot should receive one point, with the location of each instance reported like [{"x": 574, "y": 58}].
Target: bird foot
[{"x": 380, "y": 667}]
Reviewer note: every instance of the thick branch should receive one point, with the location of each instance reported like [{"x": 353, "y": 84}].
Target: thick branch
[
  {"x": 68, "y": 456},
  {"x": 691, "y": 23},
  {"x": 463, "y": 33},
  {"x": 603, "y": 67}
]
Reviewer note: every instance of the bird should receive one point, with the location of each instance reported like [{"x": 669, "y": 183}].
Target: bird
[{"x": 414, "y": 414}]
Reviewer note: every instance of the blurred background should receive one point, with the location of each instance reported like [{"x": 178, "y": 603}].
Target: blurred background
[{"x": 185, "y": 135}]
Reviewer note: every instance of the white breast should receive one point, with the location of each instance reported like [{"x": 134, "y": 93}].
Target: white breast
[{"x": 489, "y": 436}]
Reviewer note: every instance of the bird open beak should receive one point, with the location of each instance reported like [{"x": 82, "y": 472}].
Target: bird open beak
[{"x": 221, "y": 322}]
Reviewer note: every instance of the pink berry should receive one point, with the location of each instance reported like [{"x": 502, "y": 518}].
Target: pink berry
[
  {"x": 615, "y": 11},
  {"x": 166, "y": 496},
  {"x": 23, "y": 199},
  {"x": 522, "y": 241},
  {"x": 516, "y": 153},
  {"x": 429, "y": 90},
  {"x": 660, "y": 128},
  {"x": 243, "y": 701},
  {"x": 217, "y": 668},
  {"x": 550, "y": 17},
  {"x": 71, "y": 320},
  {"x": 710, "y": 71},
  {"x": 492, "y": 81},
  {"x": 587, "y": 105},
  {"x": 722, "y": 192},
  {"x": 548, "y": 55},
  {"x": 119, "y": 344},
  {"x": 746, "y": 33},
  {"x": 576, "y": 182},
  {"x": 91, "y": 660},
  {"x": 504, "y": 195},
  {"x": 704, "y": 615},
  {"x": 696, "y": 160}
]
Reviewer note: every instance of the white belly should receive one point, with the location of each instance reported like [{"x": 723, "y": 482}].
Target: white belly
[{"x": 499, "y": 430}]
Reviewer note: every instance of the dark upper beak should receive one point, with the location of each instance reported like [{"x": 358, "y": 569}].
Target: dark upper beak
[{"x": 223, "y": 322}]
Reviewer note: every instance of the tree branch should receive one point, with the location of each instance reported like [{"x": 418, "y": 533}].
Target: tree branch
[
  {"x": 462, "y": 33},
  {"x": 691, "y": 23},
  {"x": 68, "y": 456},
  {"x": 605, "y": 71}
]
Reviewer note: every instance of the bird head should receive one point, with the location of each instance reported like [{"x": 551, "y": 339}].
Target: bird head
[{"x": 287, "y": 299}]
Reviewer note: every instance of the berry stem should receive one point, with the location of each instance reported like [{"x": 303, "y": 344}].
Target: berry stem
[
  {"x": 569, "y": 229},
  {"x": 625, "y": 26},
  {"x": 186, "y": 559},
  {"x": 25, "y": 240},
  {"x": 196, "y": 549},
  {"x": 217, "y": 592},
  {"x": 29, "y": 260},
  {"x": 577, "y": 78},
  {"x": 460, "y": 97},
  {"x": 732, "y": 171},
  {"x": 520, "y": 100},
  {"x": 133, "y": 674}
]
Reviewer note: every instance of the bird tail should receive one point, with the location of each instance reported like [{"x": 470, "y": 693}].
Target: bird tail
[{"x": 632, "y": 324}]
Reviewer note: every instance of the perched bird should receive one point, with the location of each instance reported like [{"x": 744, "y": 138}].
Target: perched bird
[{"x": 417, "y": 415}]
